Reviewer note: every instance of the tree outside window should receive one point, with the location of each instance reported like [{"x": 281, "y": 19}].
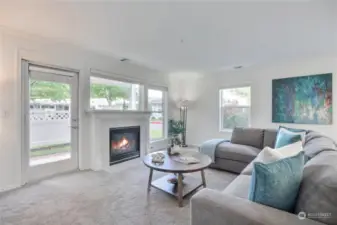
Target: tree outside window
[{"x": 114, "y": 95}]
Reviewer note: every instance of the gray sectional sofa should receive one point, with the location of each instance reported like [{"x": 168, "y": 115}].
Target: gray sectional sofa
[
  {"x": 244, "y": 146},
  {"x": 317, "y": 198}
]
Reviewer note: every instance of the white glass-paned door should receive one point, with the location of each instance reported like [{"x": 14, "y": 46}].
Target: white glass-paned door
[{"x": 52, "y": 122}]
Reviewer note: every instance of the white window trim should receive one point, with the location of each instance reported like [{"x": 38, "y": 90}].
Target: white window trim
[
  {"x": 228, "y": 130},
  {"x": 144, "y": 86},
  {"x": 165, "y": 108},
  {"x": 115, "y": 76}
]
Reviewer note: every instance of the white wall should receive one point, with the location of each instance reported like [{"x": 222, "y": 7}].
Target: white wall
[
  {"x": 203, "y": 117},
  {"x": 13, "y": 47}
]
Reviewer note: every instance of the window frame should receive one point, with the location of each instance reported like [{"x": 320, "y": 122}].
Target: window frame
[
  {"x": 118, "y": 79},
  {"x": 143, "y": 98},
  {"x": 164, "y": 111},
  {"x": 221, "y": 128}
]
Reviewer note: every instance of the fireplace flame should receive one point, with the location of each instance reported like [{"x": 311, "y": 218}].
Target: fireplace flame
[{"x": 121, "y": 144}]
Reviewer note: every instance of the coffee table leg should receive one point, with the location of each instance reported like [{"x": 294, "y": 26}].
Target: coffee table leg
[
  {"x": 203, "y": 178},
  {"x": 180, "y": 190},
  {"x": 150, "y": 180}
]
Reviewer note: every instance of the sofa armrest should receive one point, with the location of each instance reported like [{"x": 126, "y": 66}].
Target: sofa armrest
[{"x": 215, "y": 208}]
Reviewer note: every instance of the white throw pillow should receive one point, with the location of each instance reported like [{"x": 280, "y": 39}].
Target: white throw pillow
[
  {"x": 290, "y": 150},
  {"x": 268, "y": 155}
]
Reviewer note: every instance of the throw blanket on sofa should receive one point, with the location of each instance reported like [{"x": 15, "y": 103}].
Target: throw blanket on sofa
[{"x": 208, "y": 147}]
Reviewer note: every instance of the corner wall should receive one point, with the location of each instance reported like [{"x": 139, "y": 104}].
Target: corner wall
[
  {"x": 16, "y": 45},
  {"x": 203, "y": 117}
]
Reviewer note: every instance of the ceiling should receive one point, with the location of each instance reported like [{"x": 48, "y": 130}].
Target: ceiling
[{"x": 184, "y": 35}]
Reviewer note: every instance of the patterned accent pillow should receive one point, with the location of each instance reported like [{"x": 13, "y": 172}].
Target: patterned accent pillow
[{"x": 276, "y": 184}]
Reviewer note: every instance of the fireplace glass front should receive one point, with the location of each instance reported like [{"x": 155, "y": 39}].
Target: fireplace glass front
[{"x": 124, "y": 144}]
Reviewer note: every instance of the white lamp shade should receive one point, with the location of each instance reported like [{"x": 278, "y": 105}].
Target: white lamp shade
[
  {"x": 184, "y": 87},
  {"x": 183, "y": 103}
]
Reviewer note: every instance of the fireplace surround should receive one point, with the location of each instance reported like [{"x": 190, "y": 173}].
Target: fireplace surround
[
  {"x": 99, "y": 140},
  {"x": 124, "y": 143}
]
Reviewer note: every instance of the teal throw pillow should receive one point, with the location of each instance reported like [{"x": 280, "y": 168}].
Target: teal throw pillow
[
  {"x": 276, "y": 184},
  {"x": 295, "y": 130},
  {"x": 286, "y": 136}
]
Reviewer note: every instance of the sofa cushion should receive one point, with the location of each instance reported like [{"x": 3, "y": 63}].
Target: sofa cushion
[
  {"x": 243, "y": 153},
  {"x": 248, "y": 136},
  {"x": 248, "y": 170},
  {"x": 318, "y": 191},
  {"x": 239, "y": 187},
  {"x": 269, "y": 138},
  {"x": 316, "y": 143},
  {"x": 229, "y": 165}
]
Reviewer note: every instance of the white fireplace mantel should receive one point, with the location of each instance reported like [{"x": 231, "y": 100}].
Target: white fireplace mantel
[
  {"x": 123, "y": 113},
  {"x": 102, "y": 121}
]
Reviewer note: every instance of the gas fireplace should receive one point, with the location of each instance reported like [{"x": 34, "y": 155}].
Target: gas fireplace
[{"x": 124, "y": 144}]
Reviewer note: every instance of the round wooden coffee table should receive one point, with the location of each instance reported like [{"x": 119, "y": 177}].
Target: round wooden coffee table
[{"x": 186, "y": 184}]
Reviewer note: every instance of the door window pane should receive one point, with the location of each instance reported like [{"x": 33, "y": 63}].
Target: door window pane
[
  {"x": 113, "y": 95},
  {"x": 49, "y": 115}
]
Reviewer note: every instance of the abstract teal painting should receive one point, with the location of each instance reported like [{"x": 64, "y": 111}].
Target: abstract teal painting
[{"x": 303, "y": 100}]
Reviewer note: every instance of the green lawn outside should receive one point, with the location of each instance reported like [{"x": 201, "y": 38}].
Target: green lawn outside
[
  {"x": 49, "y": 150},
  {"x": 156, "y": 120},
  {"x": 156, "y": 134}
]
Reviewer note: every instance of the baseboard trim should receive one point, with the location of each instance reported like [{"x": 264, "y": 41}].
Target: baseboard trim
[{"x": 9, "y": 188}]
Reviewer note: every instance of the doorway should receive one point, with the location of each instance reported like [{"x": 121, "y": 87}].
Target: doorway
[{"x": 50, "y": 105}]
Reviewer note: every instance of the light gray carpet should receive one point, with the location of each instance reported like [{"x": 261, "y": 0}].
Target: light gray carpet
[{"x": 117, "y": 197}]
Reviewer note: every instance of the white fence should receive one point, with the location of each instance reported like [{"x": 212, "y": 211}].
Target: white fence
[{"x": 49, "y": 128}]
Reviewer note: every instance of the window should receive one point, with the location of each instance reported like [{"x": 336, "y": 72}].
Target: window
[
  {"x": 156, "y": 104},
  {"x": 120, "y": 95},
  {"x": 113, "y": 95},
  {"x": 234, "y": 108}
]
